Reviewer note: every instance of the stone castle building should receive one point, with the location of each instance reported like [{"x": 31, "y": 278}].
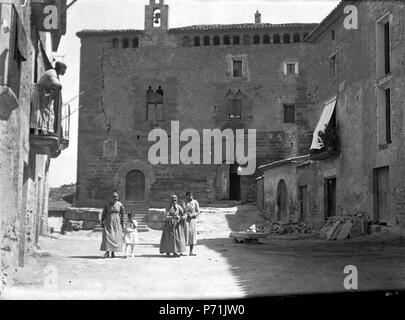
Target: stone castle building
[
  {"x": 240, "y": 76},
  {"x": 25, "y": 153},
  {"x": 287, "y": 81}
]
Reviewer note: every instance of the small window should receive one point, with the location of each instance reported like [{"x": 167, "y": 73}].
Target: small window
[
  {"x": 135, "y": 42},
  {"x": 115, "y": 43},
  {"x": 154, "y": 104},
  {"x": 383, "y": 50},
  {"x": 236, "y": 40},
  {"x": 296, "y": 38},
  {"x": 186, "y": 41},
  {"x": 388, "y": 115},
  {"x": 289, "y": 113},
  {"x": 206, "y": 41},
  {"x": 217, "y": 41},
  {"x": 227, "y": 40},
  {"x": 266, "y": 39},
  {"x": 256, "y": 39},
  {"x": 286, "y": 38},
  {"x": 276, "y": 38},
  {"x": 196, "y": 41},
  {"x": 246, "y": 40},
  {"x": 332, "y": 35},
  {"x": 237, "y": 68},
  {"x": 291, "y": 68},
  {"x": 125, "y": 43},
  {"x": 333, "y": 65},
  {"x": 235, "y": 109}
]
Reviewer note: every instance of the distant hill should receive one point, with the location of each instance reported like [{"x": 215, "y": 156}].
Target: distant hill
[{"x": 62, "y": 197}]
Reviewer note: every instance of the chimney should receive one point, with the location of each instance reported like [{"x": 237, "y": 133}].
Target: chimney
[{"x": 258, "y": 17}]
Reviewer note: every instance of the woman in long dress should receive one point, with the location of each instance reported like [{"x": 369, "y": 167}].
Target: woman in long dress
[
  {"x": 112, "y": 221},
  {"x": 45, "y": 95},
  {"x": 191, "y": 210},
  {"x": 172, "y": 240}
]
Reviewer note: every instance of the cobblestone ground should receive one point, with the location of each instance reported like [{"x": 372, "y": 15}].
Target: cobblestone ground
[{"x": 71, "y": 266}]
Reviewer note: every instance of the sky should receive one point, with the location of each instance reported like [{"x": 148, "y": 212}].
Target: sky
[{"x": 129, "y": 14}]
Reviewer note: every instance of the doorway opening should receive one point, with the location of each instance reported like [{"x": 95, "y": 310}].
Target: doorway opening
[
  {"x": 282, "y": 201},
  {"x": 234, "y": 182},
  {"x": 381, "y": 181},
  {"x": 330, "y": 197},
  {"x": 135, "y": 186}
]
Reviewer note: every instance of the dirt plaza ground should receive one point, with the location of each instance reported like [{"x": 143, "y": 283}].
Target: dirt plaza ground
[{"x": 281, "y": 265}]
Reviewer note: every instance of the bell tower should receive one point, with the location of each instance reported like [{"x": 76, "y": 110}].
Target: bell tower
[{"x": 156, "y": 16}]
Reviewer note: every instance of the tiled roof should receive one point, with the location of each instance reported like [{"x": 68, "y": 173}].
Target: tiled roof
[
  {"x": 106, "y": 32},
  {"x": 243, "y": 26},
  {"x": 207, "y": 27}
]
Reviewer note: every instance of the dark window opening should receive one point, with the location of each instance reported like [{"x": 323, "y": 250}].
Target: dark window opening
[
  {"x": 387, "y": 62},
  {"x": 276, "y": 38},
  {"x": 216, "y": 41},
  {"x": 388, "y": 115},
  {"x": 286, "y": 38},
  {"x": 333, "y": 35},
  {"x": 330, "y": 197},
  {"x": 235, "y": 109},
  {"x": 266, "y": 39},
  {"x": 115, "y": 43},
  {"x": 154, "y": 104},
  {"x": 296, "y": 37},
  {"x": 289, "y": 113},
  {"x": 125, "y": 43},
  {"x": 237, "y": 68},
  {"x": 135, "y": 42},
  {"x": 227, "y": 40},
  {"x": 236, "y": 40},
  {"x": 333, "y": 65},
  {"x": 256, "y": 39},
  {"x": 206, "y": 41},
  {"x": 246, "y": 40},
  {"x": 291, "y": 68},
  {"x": 196, "y": 41}
]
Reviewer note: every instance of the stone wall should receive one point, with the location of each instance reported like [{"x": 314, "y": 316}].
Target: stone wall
[
  {"x": 195, "y": 81},
  {"x": 23, "y": 176}
]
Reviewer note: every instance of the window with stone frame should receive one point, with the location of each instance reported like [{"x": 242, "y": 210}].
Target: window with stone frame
[
  {"x": 290, "y": 67},
  {"x": 237, "y": 68},
  {"x": 154, "y": 104},
  {"x": 383, "y": 45},
  {"x": 234, "y": 110}
]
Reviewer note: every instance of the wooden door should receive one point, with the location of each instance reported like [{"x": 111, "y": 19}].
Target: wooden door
[
  {"x": 135, "y": 186},
  {"x": 222, "y": 184},
  {"x": 382, "y": 195}
]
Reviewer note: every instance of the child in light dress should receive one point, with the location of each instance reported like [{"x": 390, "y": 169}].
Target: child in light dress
[{"x": 130, "y": 237}]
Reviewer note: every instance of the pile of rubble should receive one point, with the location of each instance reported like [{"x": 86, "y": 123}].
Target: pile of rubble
[
  {"x": 344, "y": 227},
  {"x": 283, "y": 228}
]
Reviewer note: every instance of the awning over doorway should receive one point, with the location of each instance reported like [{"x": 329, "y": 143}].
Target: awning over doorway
[{"x": 326, "y": 115}]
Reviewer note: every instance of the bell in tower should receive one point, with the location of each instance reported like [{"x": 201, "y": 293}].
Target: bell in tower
[{"x": 156, "y": 16}]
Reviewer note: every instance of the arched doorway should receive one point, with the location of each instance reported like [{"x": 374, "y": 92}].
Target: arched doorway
[
  {"x": 282, "y": 201},
  {"x": 135, "y": 186}
]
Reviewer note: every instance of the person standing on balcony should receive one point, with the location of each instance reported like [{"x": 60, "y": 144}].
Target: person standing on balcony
[
  {"x": 112, "y": 222},
  {"x": 45, "y": 96}
]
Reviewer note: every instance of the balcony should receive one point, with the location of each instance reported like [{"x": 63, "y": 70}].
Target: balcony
[{"x": 50, "y": 123}]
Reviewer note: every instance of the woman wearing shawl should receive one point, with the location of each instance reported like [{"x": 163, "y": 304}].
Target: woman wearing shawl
[
  {"x": 172, "y": 240},
  {"x": 112, "y": 221}
]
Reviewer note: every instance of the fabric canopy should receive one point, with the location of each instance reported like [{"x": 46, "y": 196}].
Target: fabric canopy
[{"x": 326, "y": 115}]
